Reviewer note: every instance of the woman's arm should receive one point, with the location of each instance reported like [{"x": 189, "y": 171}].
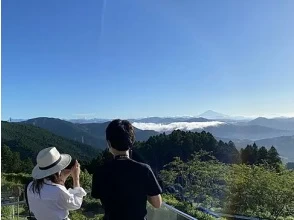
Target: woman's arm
[{"x": 71, "y": 199}]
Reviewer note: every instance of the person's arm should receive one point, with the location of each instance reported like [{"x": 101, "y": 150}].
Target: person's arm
[
  {"x": 155, "y": 201},
  {"x": 153, "y": 189},
  {"x": 72, "y": 199},
  {"x": 76, "y": 182}
]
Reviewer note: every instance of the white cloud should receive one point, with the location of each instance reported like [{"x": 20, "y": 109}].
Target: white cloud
[{"x": 186, "y": 126}]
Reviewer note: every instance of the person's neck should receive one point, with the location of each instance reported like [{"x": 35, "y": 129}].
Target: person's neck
[{"x": 120, "y": 153}]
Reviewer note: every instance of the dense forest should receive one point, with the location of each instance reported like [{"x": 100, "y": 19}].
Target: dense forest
[
  {"x": 28, "y": 140},
  {"x": 160, "y": 150}
]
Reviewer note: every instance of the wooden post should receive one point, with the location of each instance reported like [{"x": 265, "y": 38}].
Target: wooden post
[
  {"x": 12, "y": 211},
  {"x": 17, "y": 207}
]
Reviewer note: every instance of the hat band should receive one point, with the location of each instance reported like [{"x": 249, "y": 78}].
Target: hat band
[{"x": 52, "y": 165}]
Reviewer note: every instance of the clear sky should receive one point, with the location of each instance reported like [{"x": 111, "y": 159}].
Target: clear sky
[{"x": 95, "y": 58}]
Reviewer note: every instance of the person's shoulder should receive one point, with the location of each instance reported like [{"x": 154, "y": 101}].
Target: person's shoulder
[
  {"x": 144, "y": 166},
  {"x": 102, "y": 168}
]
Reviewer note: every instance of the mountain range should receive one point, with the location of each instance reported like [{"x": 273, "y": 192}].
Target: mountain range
[
  {"x": 242, "y": 131},
  {"x": 90, "y": 133},
  {"x": 207, "y": 115},
  {"x": 265, "y": 132},
  {"x": 277, "y": 123}
]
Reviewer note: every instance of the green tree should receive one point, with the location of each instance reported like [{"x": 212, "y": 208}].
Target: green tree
[
  {"x": 256, "y": 190},
  {"x": 6, "y": 159},
  {"x": 16, "y": 163},
  {"x": 27, "y": 165},
  {"x": 274, "y": 159},
  {"x": 202, "y": 179},
  {"x": 11, "y": 162},
  {"x": 262, "y": 155}
]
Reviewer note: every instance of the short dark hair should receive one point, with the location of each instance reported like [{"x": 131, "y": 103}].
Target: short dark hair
[{"x": 120, "y": 134}]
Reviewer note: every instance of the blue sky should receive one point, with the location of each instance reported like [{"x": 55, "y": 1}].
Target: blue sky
[{"x": 128, "y": 59}]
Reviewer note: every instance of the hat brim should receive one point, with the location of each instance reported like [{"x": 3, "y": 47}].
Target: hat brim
[{"x": 63, "y": 163}]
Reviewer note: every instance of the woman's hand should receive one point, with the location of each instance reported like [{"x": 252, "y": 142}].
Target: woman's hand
[
  {"x": 64, "y": 174},
  {"x": 75, "y": 173}
]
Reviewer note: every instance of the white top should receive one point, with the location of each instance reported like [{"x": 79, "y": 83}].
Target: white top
[{"x": 54, "y": 201}]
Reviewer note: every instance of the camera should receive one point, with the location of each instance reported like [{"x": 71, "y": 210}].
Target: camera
[{"x": 72, "y": 163}]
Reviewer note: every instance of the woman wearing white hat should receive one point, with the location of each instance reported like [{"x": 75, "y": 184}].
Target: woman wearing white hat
[{"x": 47, "y": 196}]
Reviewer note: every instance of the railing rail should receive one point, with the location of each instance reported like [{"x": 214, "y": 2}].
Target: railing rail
[
  {"x": 164, "y": 205},
  {"x": 178, "y": 212},
  {"x": 13, "y": 203}
]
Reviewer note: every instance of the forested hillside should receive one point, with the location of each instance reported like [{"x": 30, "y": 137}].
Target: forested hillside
[
  {"x": 91, "y": 133},
  {"x": 28, "y": 140},
  {"x": 160, "y": 150}
]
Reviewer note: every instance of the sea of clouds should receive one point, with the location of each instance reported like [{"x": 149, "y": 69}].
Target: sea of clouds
[{"x": 185, "y": 126}]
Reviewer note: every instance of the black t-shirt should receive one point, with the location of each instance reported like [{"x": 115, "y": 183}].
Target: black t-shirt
[{"x": 123, "y": 187}]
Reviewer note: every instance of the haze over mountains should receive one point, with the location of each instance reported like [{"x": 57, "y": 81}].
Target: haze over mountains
[{"x": 275, "y": 131}]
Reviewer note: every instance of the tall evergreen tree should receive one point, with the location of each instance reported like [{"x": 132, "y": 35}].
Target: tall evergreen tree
[
  {"x": 262, "y": 155},
  {"x": 249, "y": 154},
  {"x": 274, "y": 157}
]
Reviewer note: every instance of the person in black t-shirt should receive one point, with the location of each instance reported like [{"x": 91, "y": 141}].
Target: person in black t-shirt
[{"x": 124, "y": 185}]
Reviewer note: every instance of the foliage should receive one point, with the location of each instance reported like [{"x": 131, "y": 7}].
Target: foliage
[
  {"x": 78, "y": 215},
  {"x": 255, "y": 190},
  {"x": 85, "y": 181},
  {"x": 201, "y": 182},
  {"x": 16, "y": 178},
  {"x": 11, "y": 162},
  {"x": 186, "y": 208},
  {"x": 6, "y": 212},
  {"x": 251, "y": 155},
  {"x": 238, "y": 188}
]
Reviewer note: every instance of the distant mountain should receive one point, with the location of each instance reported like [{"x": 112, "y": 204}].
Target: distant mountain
[
  {"x": 90, "y": 133},
  {"x": 86, "y": 121},
  {"x": 213, "y": 115},
  {"x": 28, "y": 140},
  {"x": 168, "y": 120},
  {"x": 277, "y": 123},
  {"x": 68, "y": 130},
  {"x": 252, "y": 132}
]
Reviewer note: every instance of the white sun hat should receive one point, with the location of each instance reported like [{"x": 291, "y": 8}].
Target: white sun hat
[{"x": 50, "y": 161}]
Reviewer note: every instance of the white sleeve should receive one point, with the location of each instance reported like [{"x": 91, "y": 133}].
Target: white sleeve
[{"x": 71, "y": 199}]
